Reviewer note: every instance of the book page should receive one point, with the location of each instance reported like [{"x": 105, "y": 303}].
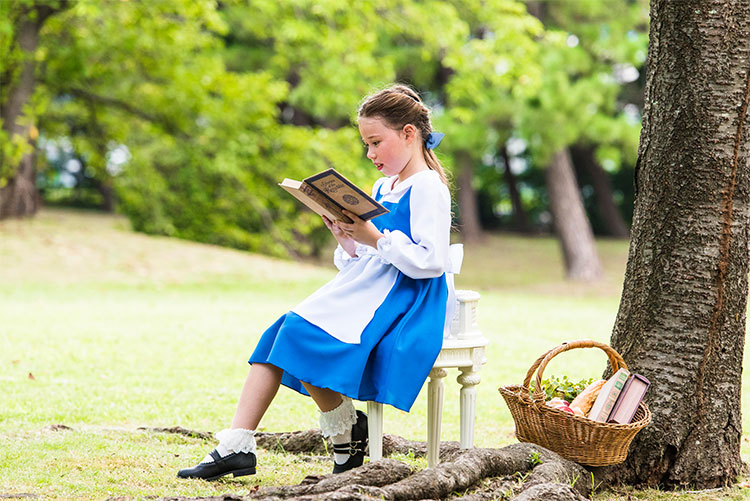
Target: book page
[
  {"x": 313, "y": 200},
  {"x": 345, "y": 194}
]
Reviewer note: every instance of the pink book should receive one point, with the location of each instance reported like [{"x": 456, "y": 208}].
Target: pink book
[{"x": 627, "y": 403}]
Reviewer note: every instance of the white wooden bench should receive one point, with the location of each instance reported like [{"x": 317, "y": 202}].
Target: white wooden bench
[{"x": 463, "y": 350}]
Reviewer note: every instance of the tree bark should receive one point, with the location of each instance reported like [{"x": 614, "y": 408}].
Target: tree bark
[
  {"x": 520, "y": 219},
  {"x": 681, "y": 321},
  {"x": 583, "y": 158},
  {"x": 571, "y": 223},
  {"x": 19, "y": 197},
  {"x": 468, "y": 207}
]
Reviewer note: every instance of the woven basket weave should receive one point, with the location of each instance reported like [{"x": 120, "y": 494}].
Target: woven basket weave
[{"x": 574, "y": 437}]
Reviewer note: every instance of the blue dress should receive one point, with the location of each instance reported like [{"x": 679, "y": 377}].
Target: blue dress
[{"x": 375, "y": 330}]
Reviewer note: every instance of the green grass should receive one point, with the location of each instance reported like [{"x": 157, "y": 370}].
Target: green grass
[{"x": 104, "y": 331}]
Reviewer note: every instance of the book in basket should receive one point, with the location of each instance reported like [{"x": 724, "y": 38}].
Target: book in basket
[
  {"x": 627, "y": 403},
  {"x": 608, "y": 396},
  {"x": 328, "y": 193}
]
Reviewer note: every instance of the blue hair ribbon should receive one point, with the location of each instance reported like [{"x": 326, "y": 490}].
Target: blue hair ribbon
[{"x": 433, "y": 140}]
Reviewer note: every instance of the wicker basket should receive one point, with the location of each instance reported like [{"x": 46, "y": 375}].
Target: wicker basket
[{"x": 574, "y": 437}]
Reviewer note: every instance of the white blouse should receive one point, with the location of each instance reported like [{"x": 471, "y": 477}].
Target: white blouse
[{"x": 344, "y": 306}]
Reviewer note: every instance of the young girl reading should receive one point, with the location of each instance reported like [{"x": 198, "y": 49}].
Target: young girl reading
[{"x": 375, "y": 330}]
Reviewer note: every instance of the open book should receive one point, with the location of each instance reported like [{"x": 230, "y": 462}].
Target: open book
[{"x": 328, "y": 193}]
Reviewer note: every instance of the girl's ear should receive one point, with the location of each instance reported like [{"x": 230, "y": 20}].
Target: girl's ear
[{"x": 410, "y": 132}]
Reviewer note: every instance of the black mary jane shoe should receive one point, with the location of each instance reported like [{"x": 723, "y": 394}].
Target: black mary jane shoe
[
  {"x": 355, "y": 448},
  {"x": 237, "y": 464}
]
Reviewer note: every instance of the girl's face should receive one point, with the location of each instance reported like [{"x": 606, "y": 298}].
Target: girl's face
[{"x": 390, "y": 150}]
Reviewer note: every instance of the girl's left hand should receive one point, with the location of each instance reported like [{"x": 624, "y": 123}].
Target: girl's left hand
[{"x": 362, "y": 231}]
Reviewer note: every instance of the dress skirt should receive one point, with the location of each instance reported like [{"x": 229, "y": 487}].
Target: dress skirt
[{"x": 390, "y": 364}]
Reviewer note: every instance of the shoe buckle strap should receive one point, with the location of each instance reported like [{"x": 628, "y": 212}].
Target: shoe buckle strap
[{"x": 352, "y": 448}]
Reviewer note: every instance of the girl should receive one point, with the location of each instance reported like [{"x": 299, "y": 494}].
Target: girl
[{"x": 375, "y": 330}]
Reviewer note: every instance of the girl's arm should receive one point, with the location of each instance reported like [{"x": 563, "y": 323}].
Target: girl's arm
[
  {"x": 344, "y": 233},
  {"x": 426, "y": 253},
  {"x": 345, "y": 250},
  {"x": 347, "y": 243}
]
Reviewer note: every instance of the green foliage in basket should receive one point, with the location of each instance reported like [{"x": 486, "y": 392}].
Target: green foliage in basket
[{"x": 563, "y": 388}]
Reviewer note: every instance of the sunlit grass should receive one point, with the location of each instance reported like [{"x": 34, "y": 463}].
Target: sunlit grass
[{"x": 105, "y": 331}]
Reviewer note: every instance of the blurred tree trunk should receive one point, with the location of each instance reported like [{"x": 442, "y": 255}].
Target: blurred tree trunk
[
  {"x": 104, "y": 182},
  {"x": 106, "y": 190},
  {"x": 19, "y": 197},
  {"x": 468, "y": 207},
  {"x": 583, "y": 158},
  {"x": 571, "y": 223},
  {"x": 682, "y": 316},
  {"x": 520, "y": 219}
]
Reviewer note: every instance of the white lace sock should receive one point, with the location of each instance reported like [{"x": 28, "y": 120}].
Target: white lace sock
[
  {"x": 337, "y": 424},
  {"x": 233, "y": 440}
]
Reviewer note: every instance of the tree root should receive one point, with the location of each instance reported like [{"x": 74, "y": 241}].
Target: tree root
[
  {"x": 520, "y": 472},
  {"x": 180, "y": 431},
  {"x": 312, "y": 442}
]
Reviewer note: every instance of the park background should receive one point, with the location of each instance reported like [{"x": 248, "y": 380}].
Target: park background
[{"x": 151, "y": 129}]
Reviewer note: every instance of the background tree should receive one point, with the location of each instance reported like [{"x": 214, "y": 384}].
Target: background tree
[
  {"x": 470, "y": 60},
  {"x": 584, "y": 44},
  {"x": 682, "y": 316},
  {"x": 188, "y": 114},
  {"x": 20, "y": 24}
]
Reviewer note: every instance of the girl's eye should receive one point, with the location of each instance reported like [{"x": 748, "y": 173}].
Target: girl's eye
[{"x": 375, "y": 143}]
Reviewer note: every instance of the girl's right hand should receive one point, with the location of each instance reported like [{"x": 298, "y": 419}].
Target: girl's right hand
[{"x": 347, "y": 243}]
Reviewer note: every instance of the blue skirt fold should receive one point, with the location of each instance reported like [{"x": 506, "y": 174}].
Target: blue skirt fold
[{"x": 396, "y": 352}]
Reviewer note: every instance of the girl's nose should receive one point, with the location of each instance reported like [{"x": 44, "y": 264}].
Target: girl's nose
[{"x": 370, "y": 154}]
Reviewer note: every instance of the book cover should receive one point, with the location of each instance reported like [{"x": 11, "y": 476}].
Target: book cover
[
  {"x": 630, "y": 397},
  {"x": 328, "y": 193},
  {"x": 608, "y": 396}
]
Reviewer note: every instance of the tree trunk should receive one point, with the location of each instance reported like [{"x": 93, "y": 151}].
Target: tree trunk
[
  {"x": 19, "y": 197},
  {"x": 583, "y": 158},
  {"x": 520, "y": 219},
  {"x": 572, "y": 225},
  {"x": 682, "y": 316},
  {"x": 468, "y": 207},
  {"x": 107, "y": 191}
]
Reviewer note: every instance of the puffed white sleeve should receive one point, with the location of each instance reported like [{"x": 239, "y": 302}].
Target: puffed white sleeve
[{"x": 425, "y": 254}]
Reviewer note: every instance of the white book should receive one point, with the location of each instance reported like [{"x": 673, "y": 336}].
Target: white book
[{"x": 608, "y": 396}]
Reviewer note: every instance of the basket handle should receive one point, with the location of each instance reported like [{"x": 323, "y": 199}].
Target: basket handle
[{"x": 615, "y": 360}]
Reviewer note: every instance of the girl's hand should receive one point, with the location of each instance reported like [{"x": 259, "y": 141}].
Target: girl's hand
[
  {"x": 361, "y": 231},
  {"x": 347, "y": 243}
]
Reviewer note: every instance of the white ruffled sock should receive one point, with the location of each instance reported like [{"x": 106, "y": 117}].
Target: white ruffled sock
[
  {"x": 337, "y": 424},
  {"x": 233, "y": 440}
]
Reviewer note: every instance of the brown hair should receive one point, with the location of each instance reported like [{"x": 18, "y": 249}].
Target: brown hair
[{"x": 399, "y": 105}]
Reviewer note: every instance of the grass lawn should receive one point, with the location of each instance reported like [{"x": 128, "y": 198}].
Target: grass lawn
[{"x": 103, "y": 331}]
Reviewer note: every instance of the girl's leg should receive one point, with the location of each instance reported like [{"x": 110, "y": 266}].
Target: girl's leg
[
  {"x": 326, "y": 399},
  {"x": 235, "y": 453},
  {"x": 343, "y": 424},
  {"x": 260, "y": 388}
]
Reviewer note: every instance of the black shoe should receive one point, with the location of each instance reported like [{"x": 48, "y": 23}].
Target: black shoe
[
  {"x": 355, "y": 448},
  {"x": 237, "y": 464}
]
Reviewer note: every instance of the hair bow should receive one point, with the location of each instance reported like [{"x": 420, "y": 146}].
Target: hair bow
[{"x": 433, "y": 140}]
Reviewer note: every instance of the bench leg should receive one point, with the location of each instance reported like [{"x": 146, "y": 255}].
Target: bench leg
[
  {"x": 435, "y": 390},
  {"x": 468, "y": 379},
  {"x": 375, "y": 429}
]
